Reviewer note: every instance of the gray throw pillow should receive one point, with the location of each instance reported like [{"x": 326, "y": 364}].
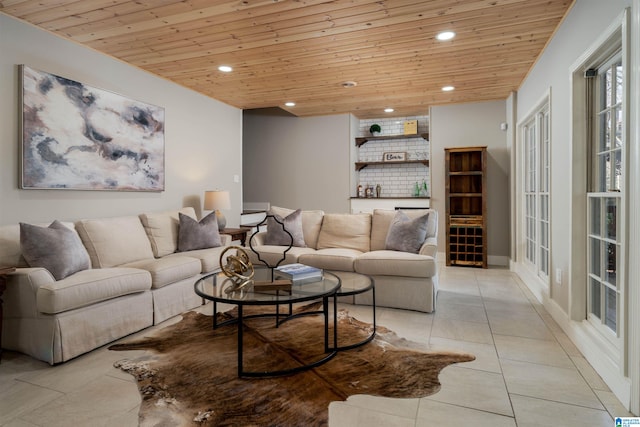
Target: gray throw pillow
[
  {"x": 56, "y": 248},
  {"x": 194, "y": 235},
  {"x": 292, "y": 223},
  {"x": 405, "y": 234}
]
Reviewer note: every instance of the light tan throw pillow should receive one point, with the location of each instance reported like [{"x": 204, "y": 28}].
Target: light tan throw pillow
[
  {"x": 311, "y": 223},
  {"x": 114, "y": 241},
  {"x": 162, "y": 229},
  {"x": 349, "y": 231}
]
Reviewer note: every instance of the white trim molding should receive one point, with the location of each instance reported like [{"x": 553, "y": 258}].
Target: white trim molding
[{"x": 633, "y": 237}]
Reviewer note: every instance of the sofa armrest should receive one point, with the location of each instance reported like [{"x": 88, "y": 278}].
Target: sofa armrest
[
  {"x": 22, "y": 289},
  {"x": 225, "y": 239},
  {"x": 429, "y": 247},
  {"x": 258, "y": 238}
]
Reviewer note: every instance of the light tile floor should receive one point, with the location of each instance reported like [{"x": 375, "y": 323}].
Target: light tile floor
[{"x": 526, "y": 373}]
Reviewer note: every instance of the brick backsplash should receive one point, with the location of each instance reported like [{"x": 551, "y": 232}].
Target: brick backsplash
[{"x": 396, "y": 180}]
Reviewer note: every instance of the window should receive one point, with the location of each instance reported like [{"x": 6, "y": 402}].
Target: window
[
  {"x": 606, "y": 195},
  {"x": 536, "y": 138}
]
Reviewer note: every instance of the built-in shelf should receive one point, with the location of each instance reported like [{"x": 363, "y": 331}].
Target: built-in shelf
[
  {"x": 364, "y": 139},
  {"x": 362, "y": 165},
  {"x": 392, "y": 198}
]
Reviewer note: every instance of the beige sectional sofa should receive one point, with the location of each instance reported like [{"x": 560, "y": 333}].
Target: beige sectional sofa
[
  {"x": 136, "y": 279},
  {"x": 358, "y": 243}
]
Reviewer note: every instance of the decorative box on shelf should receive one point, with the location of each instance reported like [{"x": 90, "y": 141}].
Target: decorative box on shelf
[{"x": 410, "y": 127}]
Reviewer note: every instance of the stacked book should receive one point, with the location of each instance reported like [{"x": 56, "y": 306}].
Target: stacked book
[{"x": 299, "y": 273}]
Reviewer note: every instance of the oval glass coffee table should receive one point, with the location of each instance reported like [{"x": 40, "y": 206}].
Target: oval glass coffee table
[{"x": 217, "y": 287}]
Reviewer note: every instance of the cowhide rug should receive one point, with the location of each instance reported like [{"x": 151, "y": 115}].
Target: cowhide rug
[{"x": 190, "y": 376}]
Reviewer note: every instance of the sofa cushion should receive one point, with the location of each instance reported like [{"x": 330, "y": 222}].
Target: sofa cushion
[
  {"x": 341, "y": 259},
  {"x": 292, "y": 223},
  {"x": 167, "y": 270},
  {"x": 162, "y": 229},
  {"x": 209, "y": 258},
  {"x": 89, "y": 287},
  {"x": 406, "y": 234},
  {"x": 381, "y": 221},
  {"x": 56, "y": 248},
  {"x": 311, "y": 223},
  {"x": 394, "y": 263},
  {"x": 114, "y": 241},
  {"x": 350, "y": 231},
  {"x": 193, "y": 234},
  {"x": 273, "y": 254}
]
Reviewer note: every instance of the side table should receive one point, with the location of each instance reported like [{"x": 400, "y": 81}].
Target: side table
[
  {"x": 3, "y": 285},
  {"x": 237, "y": 233}
]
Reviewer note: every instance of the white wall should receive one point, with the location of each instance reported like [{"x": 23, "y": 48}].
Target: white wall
[
  {"x": 203, "y": 137},
  {"x": 585, "y": 23},
  {"x": 297, "y": 162},
  {"x": 471, "y": 125}
]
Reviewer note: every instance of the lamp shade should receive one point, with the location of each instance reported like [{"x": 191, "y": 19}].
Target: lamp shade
[{"x": 216, "y": 200}]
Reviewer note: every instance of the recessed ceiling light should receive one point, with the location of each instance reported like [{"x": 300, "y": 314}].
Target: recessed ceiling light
[
  {"x": 448, "y": 88},
  {"x": 388, "y": 110},
  {"x": 445, "y": 35},
  {"x": 290, "y": 104},
  {"x": 225, "y": 68},
  {"x": 349, "y": 84}
]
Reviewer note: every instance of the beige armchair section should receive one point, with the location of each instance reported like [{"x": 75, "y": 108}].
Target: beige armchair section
[
  {"x": 356, "y": 242},
  {"x": 137, "y": 280}
]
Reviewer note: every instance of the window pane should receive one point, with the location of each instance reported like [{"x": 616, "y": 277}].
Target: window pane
[
  {"x": 607, "y": 172},
  {"x": 595, "y": 297},
  {"x": 544, "y": 261},
  {"x": 595, "y": 257},
  {"x": 595, "y": 216},
  {"x": 610, "y": 308},
  {"x": 617, "y": 177},
  {"x": 605, "y": 134},
  {"x": 611, "y": 268},
  {"x": 600, "y": 174},
  {"x": 611, "y": 219},
  {"x": 619, "y": 86},
  {"x": 618, "y": 127},
  {"x": 608, "y": 87}
]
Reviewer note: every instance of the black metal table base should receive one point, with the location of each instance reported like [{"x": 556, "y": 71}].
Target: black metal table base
[
  {"x": 371, "y": 336},
  {"x": 330, "y": 351}
]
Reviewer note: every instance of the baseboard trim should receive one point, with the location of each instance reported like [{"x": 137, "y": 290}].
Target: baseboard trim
[{"x": 593, "y": 347}]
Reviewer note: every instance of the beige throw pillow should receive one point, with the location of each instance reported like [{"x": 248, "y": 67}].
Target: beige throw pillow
[
  {"x": 162, "y": 229},
  {"x": 349, "y": 231}
]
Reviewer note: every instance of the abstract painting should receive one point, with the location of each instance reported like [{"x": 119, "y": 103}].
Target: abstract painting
[{"x": 78, "y": 137}]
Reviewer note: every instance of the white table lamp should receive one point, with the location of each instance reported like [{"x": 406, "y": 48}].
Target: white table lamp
[{"x": 215, "y": 201}]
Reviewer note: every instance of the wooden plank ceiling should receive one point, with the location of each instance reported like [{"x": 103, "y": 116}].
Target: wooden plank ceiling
[{"x": 303, "y": 50}]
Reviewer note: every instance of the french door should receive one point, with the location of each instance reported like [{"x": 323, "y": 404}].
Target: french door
[{"x": 536, "y": 137}]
